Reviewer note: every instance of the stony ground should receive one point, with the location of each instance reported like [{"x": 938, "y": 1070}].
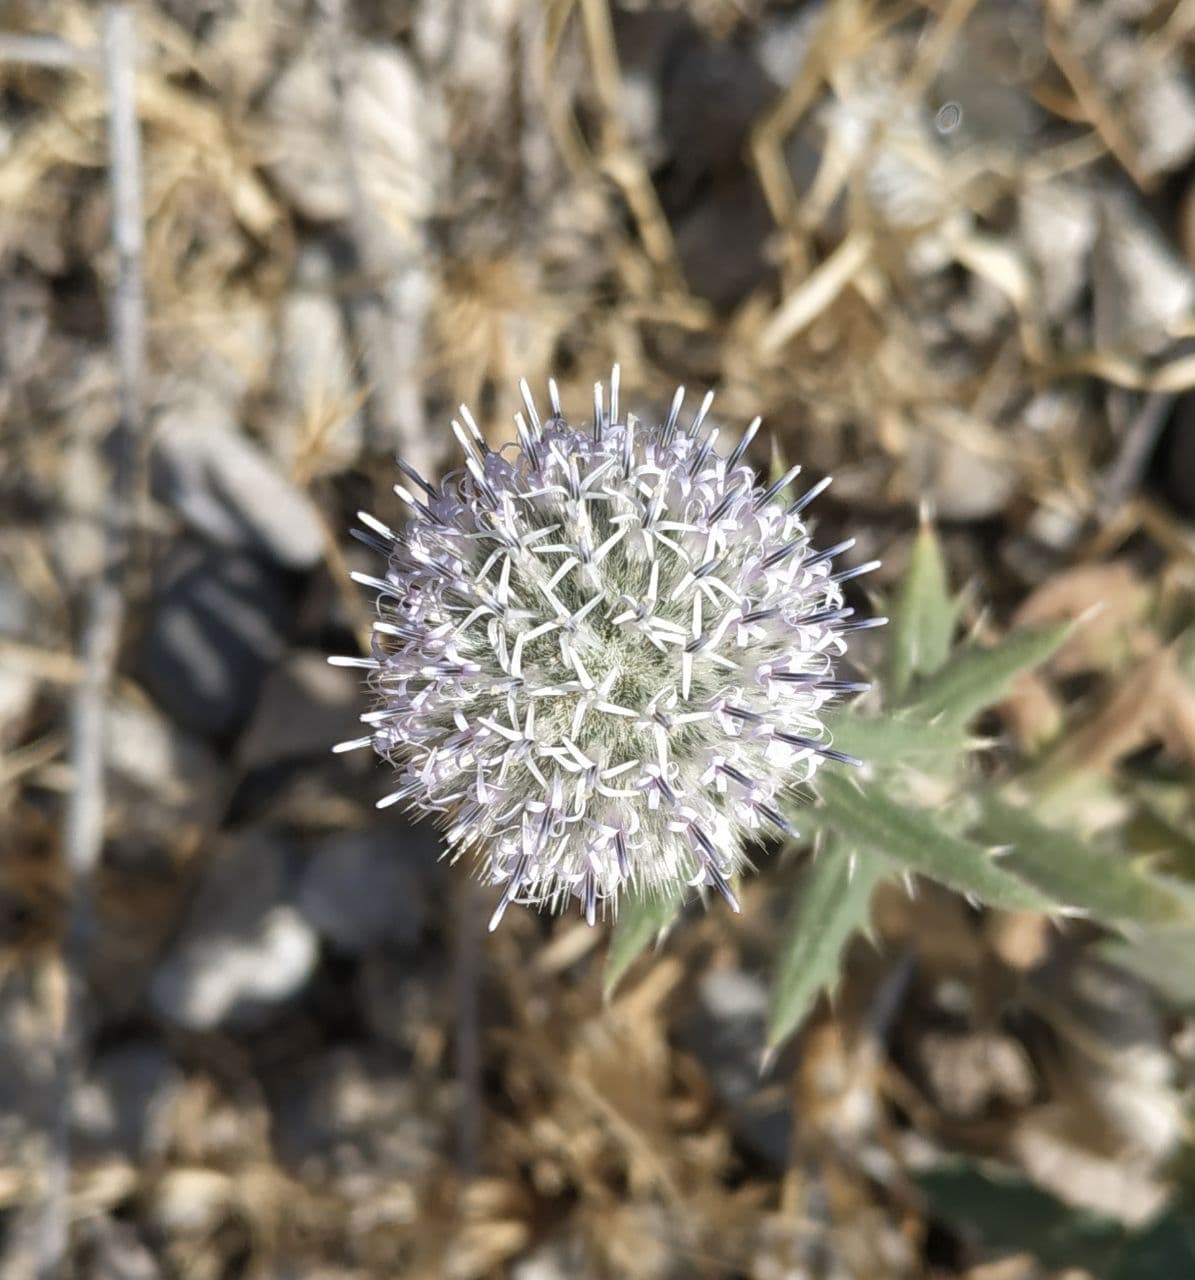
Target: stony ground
[{"x": 945, "y": 249}]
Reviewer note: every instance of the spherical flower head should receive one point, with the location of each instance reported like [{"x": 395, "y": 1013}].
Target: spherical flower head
[{"x": 603, "y": 654}]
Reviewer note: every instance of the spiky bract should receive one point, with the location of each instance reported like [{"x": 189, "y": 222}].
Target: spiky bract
[{"x": 602, "y": 654}]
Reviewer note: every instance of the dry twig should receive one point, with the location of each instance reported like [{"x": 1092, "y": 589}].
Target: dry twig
[
  {"x": 45, "y": 51},
  {"x": 105, "y": 604}
]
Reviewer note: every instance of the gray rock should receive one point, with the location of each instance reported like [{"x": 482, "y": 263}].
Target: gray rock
[
  {"x": 18, "y": 692},
  {"x": 783, "y": 41},
  {"x": 468, "y": 44},
  {"x": 120, "y": 1106},
  {"x": 401, "y": 995},
  {"x": 385, "y": 190},
  {"x": 356, "y": 1117},
  {"x": 244, "y": 947},
  {"x": 1150, "y": 93},
  {"x": 1058, "y": 222},
  {"x": 987, "y": 72},
  {"x": 110, "y": 1248},
  {"x": 389, "y": 327},
  {"x": 1175, "y": 465},
  {"x": 305, "y": 708},
  {"x": 712, "y": 91},
  {"x": 970, "y": 485},
  {"x": 362, "y": 888},
  {"x": 27, "y": 1097},
  {"x": 559, "y": 1259},
  {"x": 1140, "y": 285},
  {"x": 959, "y": 467},
  {"x": 16, "y": 608},
  {"x": 1161, "y": 108},
  {"x": 394, "y": 120},
  {"x": 24, "y": 324},
  {"x": 874, "y": 129},
  {"x": 159, "y": 771},
  {"x": 305, "y": 160},
  {"x": 217, "y": 623},
  {"x": 720, "y": 243},
  {"x": 190, "y": 1202},
  {"x": 228, "y": 489}
]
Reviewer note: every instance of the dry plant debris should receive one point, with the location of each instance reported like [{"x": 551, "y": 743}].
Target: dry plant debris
[{"x": 946, "y": 249}]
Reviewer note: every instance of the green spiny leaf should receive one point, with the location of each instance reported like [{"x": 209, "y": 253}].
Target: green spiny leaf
[
  {"x": 833, "y": 901},
  {"x": 1163, "y": 956},
  {"x": 1163, "y": 1247},
  {"x": 975, "y": 677},
  {"x": 640, "y": 921},
  {"x": 1011, "y": 1214},
  {"x": 898, "y": 739},
  {"x": 1074, "y": 873},
  {"x": 869, "y": 818},
  {"x": 923, "y": 618},
  {"x": 1008, "y": 1212}
]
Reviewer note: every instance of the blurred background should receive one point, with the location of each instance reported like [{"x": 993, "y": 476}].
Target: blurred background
[{"x": 249, "y": 250}]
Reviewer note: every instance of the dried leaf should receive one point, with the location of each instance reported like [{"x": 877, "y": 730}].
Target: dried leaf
[
  {"x": 1135, "y": 713},
  {"x": 1112, "y": 593},
  {"x": 1032, "y": 711}
]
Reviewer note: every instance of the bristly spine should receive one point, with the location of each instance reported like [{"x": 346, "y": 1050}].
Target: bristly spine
[{"x": 602, "y": 654}]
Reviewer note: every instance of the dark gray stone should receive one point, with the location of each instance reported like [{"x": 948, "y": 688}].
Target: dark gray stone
[
  {"x": 16, "y": 608},
  {"x": 159, "y": 776},
  {"x": 712, "y": 93},
  {"x": 228, "y": 489},
  {"x": 1174, "y": 461},
  {"x": 111, "y": 1249},
  {"x": 402, "y": 994},
  {"x": 306, "y": 707},
  {"x": 217, "y": 624},
  {"x": 116, "y": 1109},
  {"x": 720, "y": 242},
  {"x": 726, "y": 1035},
  {"x": 363, "y": 888},
  {"x": 357, "y": 1117},
  {"x": 692, "y": 106},
  {"x": 245, "y": 948}
]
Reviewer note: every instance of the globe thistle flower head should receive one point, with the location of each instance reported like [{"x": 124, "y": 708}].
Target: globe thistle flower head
[{"x": 602, "y": 654}]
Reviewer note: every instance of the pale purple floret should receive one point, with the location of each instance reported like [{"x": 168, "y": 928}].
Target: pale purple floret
[{"x": 603, "y": 654}]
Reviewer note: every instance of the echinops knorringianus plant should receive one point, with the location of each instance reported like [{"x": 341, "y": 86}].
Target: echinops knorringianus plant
[{"x": 602, "y": 654}]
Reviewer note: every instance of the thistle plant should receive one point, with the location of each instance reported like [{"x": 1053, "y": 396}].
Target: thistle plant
[
  {"x": 920, "y": 807},
  {"x": 604, "y": 655},
  {"x": 608, "y": 659}
]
